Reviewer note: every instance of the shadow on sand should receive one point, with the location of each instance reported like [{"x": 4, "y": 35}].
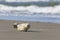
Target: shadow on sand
[{"x": 33, "y": 31}]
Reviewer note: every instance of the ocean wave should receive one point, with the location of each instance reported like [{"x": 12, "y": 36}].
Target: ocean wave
[
  {"x": 32, "y": 13},
  {"x": 31, "y": 8}
]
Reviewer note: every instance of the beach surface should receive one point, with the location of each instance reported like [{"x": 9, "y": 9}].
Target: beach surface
[{"x": 38, "y": 31}]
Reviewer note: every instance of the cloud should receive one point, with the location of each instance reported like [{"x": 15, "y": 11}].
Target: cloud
[{"x": 24, "y": 0}]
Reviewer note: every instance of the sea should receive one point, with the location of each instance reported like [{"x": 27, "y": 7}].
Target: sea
[{"x": 30, "y": 11}]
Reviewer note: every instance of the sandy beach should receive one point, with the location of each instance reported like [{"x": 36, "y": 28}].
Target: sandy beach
[{"x": 38, "y": 31}]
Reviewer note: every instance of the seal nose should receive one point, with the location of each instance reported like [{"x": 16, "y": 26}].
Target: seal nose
[{"x": 14, "y": 26}]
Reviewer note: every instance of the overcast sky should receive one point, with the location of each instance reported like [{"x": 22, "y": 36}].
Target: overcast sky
[
  {"x": 25, "y": 0},
  {"x": 22, "y": 0}
]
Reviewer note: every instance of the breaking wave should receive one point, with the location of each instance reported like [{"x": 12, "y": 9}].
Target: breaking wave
[
  {"x": 32, "y": 8},
  {"x": 29, "y": 10},
  {"x": 31, "y": 13}
]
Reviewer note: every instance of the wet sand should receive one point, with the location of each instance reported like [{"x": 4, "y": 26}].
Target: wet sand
[{"x": 38, "y": 31}]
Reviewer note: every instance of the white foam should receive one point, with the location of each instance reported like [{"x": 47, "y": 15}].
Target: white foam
[{"x": 32, "y": 9}]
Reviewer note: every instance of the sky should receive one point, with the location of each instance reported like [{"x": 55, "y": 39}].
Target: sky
[
  {"x": 22, "y": 0},
  {"x": 26, "y": 0}
]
